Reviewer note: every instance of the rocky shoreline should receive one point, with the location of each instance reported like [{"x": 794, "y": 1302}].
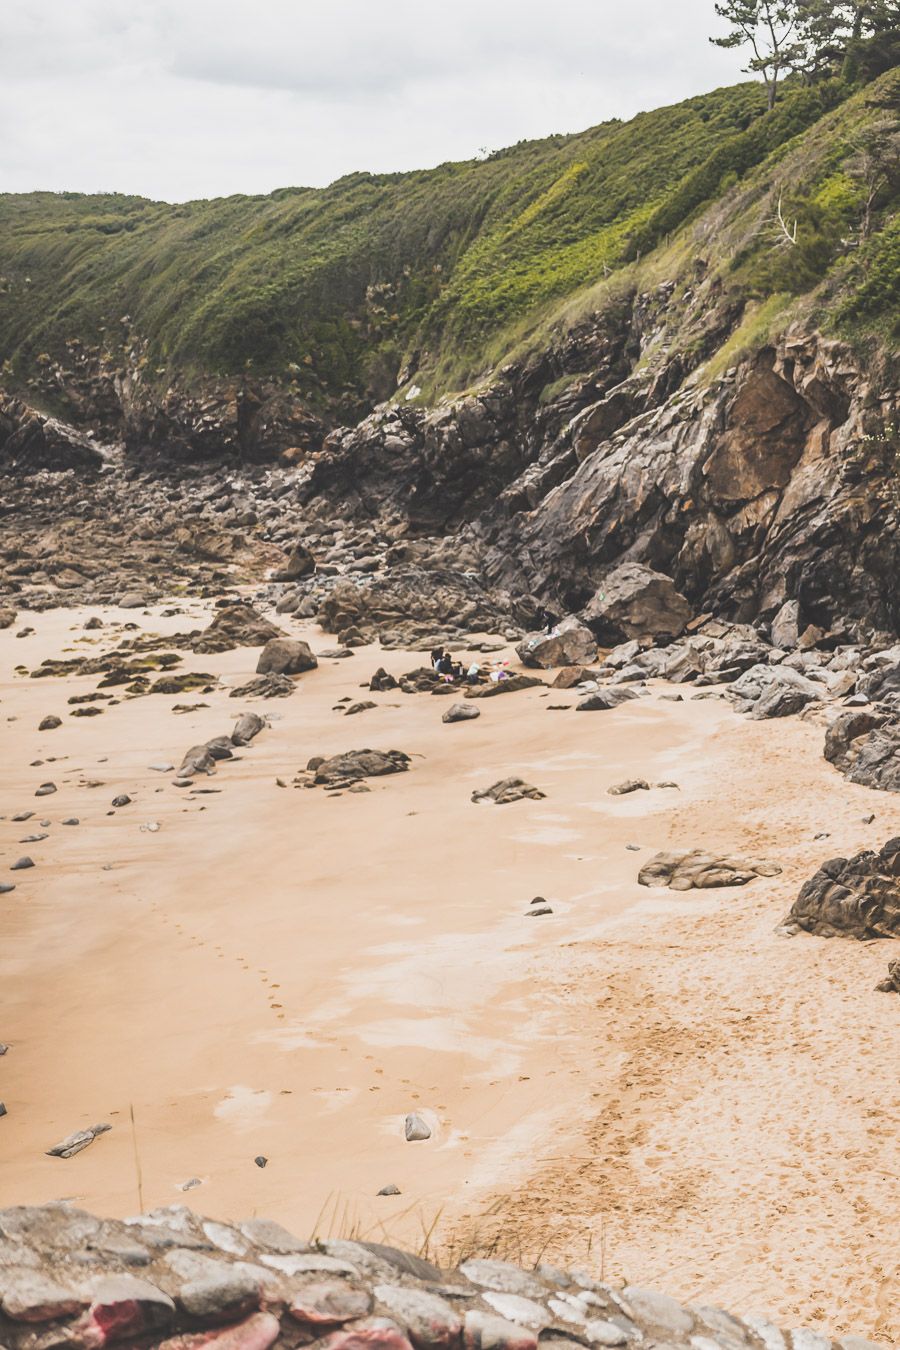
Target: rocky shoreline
[{"x": 173, "y": 1280}]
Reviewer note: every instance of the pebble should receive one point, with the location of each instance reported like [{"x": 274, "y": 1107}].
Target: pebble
[
  {"x": 50, "y": 723},
  {"x": 23, "y": 815},
  {"x": 122, "y": 800},
  {"x": 390, "y": 1190},
  {"x": 260, "y": 1160},
  {"x": 867, "y": 820},
  {"x": 3, "y": 1111},
  {"x": 151, "y": 827},
  {"x": 415, "y": 1129},
  {"x": 161, "y": 768},
  {"x": 22, "y": 864},
  {"x": 46, "y": 790},
  {"x": 33, "y": 838},
  {"x": 537, "y": 910},
  {"x": 72, "y": 820},
  {"x": 5, "y": 888}
]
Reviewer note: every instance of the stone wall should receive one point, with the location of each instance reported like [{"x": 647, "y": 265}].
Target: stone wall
[{"x": 173, "y": 1280}]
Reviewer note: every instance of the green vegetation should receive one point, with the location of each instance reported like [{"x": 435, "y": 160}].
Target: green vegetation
[{"x": 440, "y": 274}]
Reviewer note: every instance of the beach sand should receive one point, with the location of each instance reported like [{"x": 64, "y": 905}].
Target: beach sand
[{"x": 651, "y": 1084}]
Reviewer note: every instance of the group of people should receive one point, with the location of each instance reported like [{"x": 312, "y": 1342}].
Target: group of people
[{"x": 458, "y": 673}]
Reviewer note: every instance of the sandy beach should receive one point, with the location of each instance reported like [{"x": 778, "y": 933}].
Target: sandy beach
[{"x": 642, "y": 1081}]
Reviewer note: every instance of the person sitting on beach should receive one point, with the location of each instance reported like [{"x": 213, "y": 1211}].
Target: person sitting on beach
[
  {"x": 445, "y": 665},
  {"x": 549, "y": 620},
  {"x": 436, "y": 657},
  {"x": 459, "y": 672},
  {"x": 473, "y": 673}
]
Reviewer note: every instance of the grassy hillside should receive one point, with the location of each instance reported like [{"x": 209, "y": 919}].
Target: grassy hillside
[{"x": 441, "y": 272}]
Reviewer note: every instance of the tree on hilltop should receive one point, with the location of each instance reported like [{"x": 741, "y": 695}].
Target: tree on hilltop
[{"x": 771, "y": 29}]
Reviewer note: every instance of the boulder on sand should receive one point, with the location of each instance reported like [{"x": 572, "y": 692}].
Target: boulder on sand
[
  {"x": 635, "y": 602},
  {"x": 357, "y": 764},
  {"x": 7, "y": 617},
  {"x": 852, "y": 897},
  {"x": 461, "y": 712},
  {"x": 509, "y": 790},
  {"x": 570, "y": 644},
  {"x": 246, "y": 728},
  {"x": 236, "y": 626},
  {"x": 300, "y": 563},
  {"x": 285, "y": 656},
  {"x": 605, "y": 699},
  {"x": 698, "y": 870},
  {"x": 865, "y": 746}
]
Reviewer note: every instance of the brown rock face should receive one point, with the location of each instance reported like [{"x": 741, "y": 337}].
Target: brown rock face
[
  {"x": 856, "y": 897},
  {"x": 634, "y": 602},
  {"x": 570, "y": 644},
  {"x": 763, "y": 440}
]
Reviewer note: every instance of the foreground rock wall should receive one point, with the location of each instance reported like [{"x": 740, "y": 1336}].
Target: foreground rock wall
[{"x": 173, "y": 1280}]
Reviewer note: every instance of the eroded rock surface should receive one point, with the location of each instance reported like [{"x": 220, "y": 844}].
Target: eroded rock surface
[
  {"x": 697, "y": 870},
  {"x": 852, "y": 897}
]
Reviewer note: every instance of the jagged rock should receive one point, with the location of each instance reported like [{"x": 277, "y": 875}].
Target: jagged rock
[
  {"x": 236, "y": 626},
  {"x": 570, "y": 644},
  {"x": 300, "y": 563},
  {"x": 461, "y": 712},
  {"x": 570, "y": 676},
  {"x": 635, "y": 603},
  {"x": 766, "y": 691},
  {"x": 381, "y": 681},
  {"x": 508, "y": 790},
  {"x": 892, "y": 984},
  {"x": 74, "y": 1143},
  {"x": 354, "y": 765},
  {"x": 865, "y": 746},
  {"x": 699, "y": 870},
  {"x": 266, "y": 686},
  {"x": 7, "y": 617},
  {"x": 630, "y": 785},
  {"x": 33, "y": 441},
  {"x": 856, "y": 897},
  {"x": 285, "y": 656}
]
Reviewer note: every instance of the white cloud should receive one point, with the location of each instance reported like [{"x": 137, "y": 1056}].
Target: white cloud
[{"x": 189, "y": 98}]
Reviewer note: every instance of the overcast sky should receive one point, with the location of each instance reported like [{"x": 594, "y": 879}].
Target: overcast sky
[{"x": 198, "y": 98}]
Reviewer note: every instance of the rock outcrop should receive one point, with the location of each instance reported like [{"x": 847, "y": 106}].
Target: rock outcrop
[
  {"x": 865, "y": 745},
  {"x": 175, "y": 1281},
  {"x": 570, "y": 643},
  {"x": 698, "y": 870},
  {"x": 852, "y": 897}
]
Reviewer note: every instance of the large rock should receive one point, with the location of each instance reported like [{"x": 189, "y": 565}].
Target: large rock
[
  {"x": 300, "y": 563},
  {"x": 570, "y": 644},
  {"x": 7, "y": 617},
  {"x": 354, "y": 765},
  {"x": 285, "y": 656},
  {"x": 698, "y": 870},
  {"x": 512, "y": 685},
  {"x": 865, "y": 746},
  {"x": 852, "y": 897},
  {"x": 635, "y": 602},
  {"x": 604, "y": 700},
  {"x": 236, "y": 626}
]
